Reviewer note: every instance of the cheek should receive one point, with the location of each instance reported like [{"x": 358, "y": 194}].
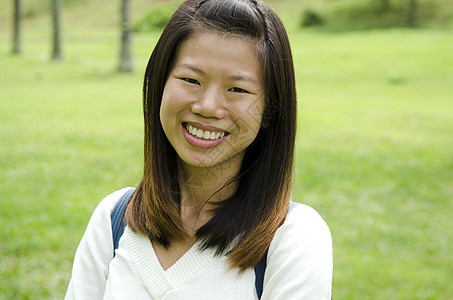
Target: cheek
[
  {"x": 255, "y": 114},
  {"x": 174, "y": 98},
  {"x": 163, "y": 108},
  {"x": 169, "y": 99},
  {"x": 166, "y": 108}
]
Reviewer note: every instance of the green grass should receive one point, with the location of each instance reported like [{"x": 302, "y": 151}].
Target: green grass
[
  {"x": 374, "y": 152},
  {"x": 376, "y": 157}
]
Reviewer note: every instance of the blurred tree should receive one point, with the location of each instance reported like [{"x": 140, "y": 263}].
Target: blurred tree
[
  {"x": 16, "y": 28},
  {"x": 312, "y": 18},
  {"x": 126, "y": 36},
  {"x": 56, "y": 40},
  {"x": 385, "y": 5},
  {"x": 412, "y": 13},
  {"x": 412, "y": 8}
]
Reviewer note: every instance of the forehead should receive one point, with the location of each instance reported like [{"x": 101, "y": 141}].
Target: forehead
[{"x": 219, "y": 51}]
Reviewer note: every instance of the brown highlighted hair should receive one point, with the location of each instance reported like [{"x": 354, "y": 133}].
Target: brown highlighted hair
[{"x": 244, "y": 224}]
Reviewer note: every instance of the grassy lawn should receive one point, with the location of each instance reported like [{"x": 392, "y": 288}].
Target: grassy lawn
[{"x": 374, "y": 152}]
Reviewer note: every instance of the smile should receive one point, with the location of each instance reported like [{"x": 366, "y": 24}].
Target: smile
[
  {"x": 205, "y": 134},
  {"x": 203, "y": 139}
]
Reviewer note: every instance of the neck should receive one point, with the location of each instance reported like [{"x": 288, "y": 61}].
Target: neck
[{"x": 202, "y": 187}]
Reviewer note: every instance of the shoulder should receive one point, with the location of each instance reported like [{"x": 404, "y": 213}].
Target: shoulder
[
  {"x": 302, "y": 219},
  {"x": 105, "y": 207},
  {"x": 304, "y": 230},
  {"x": 299, "y": 261},
  {"x": 100, "y": 221},
  {"x": 109, "y": 202}
]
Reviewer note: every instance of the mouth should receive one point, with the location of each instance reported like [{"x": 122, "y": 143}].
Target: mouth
[
  {"x": 205, "y": 134},
  {"x": 203, "y": 139}
]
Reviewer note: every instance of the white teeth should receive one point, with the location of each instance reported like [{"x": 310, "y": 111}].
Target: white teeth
[{"x": 206, "y": 135}]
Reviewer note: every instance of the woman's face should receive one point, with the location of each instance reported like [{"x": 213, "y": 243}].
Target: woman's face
[{"x": 213, "y": 100}]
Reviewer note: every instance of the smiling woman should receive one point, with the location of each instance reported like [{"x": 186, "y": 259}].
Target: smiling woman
[
  {"x": 214, "y": 201},
  {"x": 214, "y": 89}
]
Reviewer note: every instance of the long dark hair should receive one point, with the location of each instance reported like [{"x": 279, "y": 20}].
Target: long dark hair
[{"x": 245, "y": 223}]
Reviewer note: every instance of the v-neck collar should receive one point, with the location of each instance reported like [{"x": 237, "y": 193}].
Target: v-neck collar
[{"x": 157, "y": 280}]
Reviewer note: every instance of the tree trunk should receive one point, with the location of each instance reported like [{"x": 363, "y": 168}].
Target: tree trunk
[
  {"x": 56, "y": 39},
  {"x": 16, "y": 28},
  {"x": 412, "y": 14},
  {"x": 126, "y": 37}
]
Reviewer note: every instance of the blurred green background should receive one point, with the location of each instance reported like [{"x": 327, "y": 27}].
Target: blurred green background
[{"x": 374, "y": 147}]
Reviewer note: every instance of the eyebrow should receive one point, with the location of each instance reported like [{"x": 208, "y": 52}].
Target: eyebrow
[
  {"x": 240, "y": 77},
  {"x": 191, "y": 67}
]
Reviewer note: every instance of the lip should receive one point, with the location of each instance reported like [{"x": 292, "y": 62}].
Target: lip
[
  {"x": 204, "y": 127},
  {"x": 201, "y": 143}
]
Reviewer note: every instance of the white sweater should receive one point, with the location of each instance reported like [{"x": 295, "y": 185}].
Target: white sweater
[{"x": 299, "y": 264}]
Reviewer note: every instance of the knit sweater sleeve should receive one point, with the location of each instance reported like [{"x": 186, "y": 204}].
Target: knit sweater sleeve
[
  {"x": 94, "y": 253},
  {"x": 299, "y": 261}
]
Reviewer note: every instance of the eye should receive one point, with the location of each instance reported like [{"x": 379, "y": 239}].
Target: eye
[
  {"x": 238, "y": 90},
  {"x": 191, "y": 81}
]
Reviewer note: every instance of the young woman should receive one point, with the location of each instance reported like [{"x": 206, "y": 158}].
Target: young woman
[{"x": 220, "y": 122}]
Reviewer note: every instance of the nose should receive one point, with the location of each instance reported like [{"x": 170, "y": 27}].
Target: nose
[{"x": 210, "y": 104}]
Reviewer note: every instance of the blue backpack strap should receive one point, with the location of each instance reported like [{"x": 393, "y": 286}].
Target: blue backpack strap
[
  {"x": 117, "y": 218},
  {"x": 259, "y": 275},
  {"x": 260, "y": 268},
  {"x": 292, "y": 204}
]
